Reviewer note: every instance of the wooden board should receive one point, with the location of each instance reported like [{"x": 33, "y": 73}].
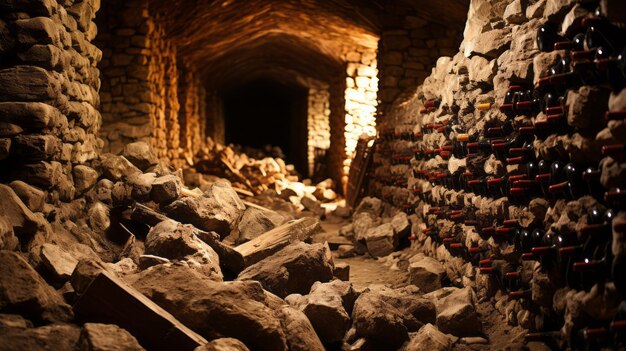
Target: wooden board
[
  {"x": 109, "y": 300},
  {"x": 358, "y": 171},
  {"x": 272, "y": 241}
]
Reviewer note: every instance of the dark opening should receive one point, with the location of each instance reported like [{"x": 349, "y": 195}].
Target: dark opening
[{"x": 266, "y": 112}]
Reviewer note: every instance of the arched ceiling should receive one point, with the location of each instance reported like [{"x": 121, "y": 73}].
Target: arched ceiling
[{"x": 228, "y": 39}]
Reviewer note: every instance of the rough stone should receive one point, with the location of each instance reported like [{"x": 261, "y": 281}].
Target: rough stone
[
  {"x": 61, "y": 337},
  {"x": 23, "y": 291},
  {"x": 427, "y": 274},
  {"x": 429, "y": 338},
  {"x": 217, "y": 210},
  {"x": 255, "y": 222},
  {"x": 32, "y": 197},
  {"x": 300, "y": 333},
  {"x": 456, "y": 313},
  {"x": 381, "y": 240},
  {"x": 293, "y": 269},
  {"x": 166, "y": 189},
  {"x": 107, "y": 337},
  {"x": 57, "y": 261},
  {"x": 176, "y": 241},
  {"x": 140, "y": 154},
  {"x": 214, "y": 310},
  {"x": 84, "y": 178},
  {"x": 371, "y": 205},
  {"x": 116, "y": 168}
]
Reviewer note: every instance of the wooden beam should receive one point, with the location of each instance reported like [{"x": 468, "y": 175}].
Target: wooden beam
[{"x": 272, "y": 241}]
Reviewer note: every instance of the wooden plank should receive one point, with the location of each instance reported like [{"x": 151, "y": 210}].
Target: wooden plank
[
  {"x": 272, "y": 241},
  {"x": 109, "y": 300},
  {"x": 358, "y": 171}
]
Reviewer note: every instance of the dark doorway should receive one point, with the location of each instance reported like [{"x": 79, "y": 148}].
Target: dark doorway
[{"x": 266, "y": 112}]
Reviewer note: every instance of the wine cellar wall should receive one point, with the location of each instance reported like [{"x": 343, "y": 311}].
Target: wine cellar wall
[{"x": 509, "y": 159}]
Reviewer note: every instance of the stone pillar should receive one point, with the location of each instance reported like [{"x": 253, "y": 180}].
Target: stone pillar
[{"x": 48, "y": 93}]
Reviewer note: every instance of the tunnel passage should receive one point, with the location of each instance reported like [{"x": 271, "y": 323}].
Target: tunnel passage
[
  {"x": 264, "y": 113},
  {"x": 167, "y": 65}
]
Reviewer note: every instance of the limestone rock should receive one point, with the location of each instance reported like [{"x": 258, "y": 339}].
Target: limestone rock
[
  {"x": 58, "y": 262},
  {"x": 456, "y": 313},
  {"x": 313, "y": 205},
  {"x": 293, "y": 269},
  {"x": 61, "y": 337},
  {"x": 255, "y": 222},
  {"x": 375, "y": 319},
  {"x": 176, "y": 241},
  {"x": 107, "y": 337},
  {"x": 514, "y": 13},
  {"x": 429, "y": 338},
  {"x": 140, "y": 154},
  {"x": 84, "y": 178},
  {"x": 300, "y": 333},
  {"x": 117, "y": 168},
  {"x": 213, "y": 309},
  {"x": 24, "y": 223},
  {"x": 381, "y": 240},
  {"x": 33, "y": 198},
  {"x": 223, "y": 344},
  {"x": 587, "y": 101},
  {"x": 370, "y": 205},
  {"x": 166, "y": 189},
  {"x": 23, "y": 291},
  {"x": 217, "y": 210},
  {"x": 427, "y": 274},
  {"x": 407, "y": 299},
  {"x": 8, "y": 240}
]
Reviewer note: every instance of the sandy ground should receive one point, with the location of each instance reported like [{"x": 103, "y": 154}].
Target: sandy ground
[{"x": 365, "y": 270}]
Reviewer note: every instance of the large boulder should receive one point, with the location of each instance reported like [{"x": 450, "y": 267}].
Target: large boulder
[
  {"x": 328, "y": 307},
  {"x": 176, "y": 241},
  {"x": 116, "y": 168},
  {"x": 217, "y": 210},
  {"x": 371, "y": 205},
  {"x": 456, "y": 313},
  {"x": 27, "y": 226},
  {"x": 23, "y": 291},
  {"x": 166, "y": 189},
  {"x": 300, "y": 333},
  {"x": 140, "y": 154},
  {"x": 429, "y": 338},
  {"x": 255, "y": 222},
  {"x": 107, "y": 337},
  {"x": 213, "y": 309},
  {"x": 407, "y": 299},
  {"x": 427, "y": 274},
  {"x": 293, "y": 269},
  {"x": 379, "y": 321},
  {"x": 223, "y": 344},
  {"x": 381, "y": 240},
  {"x": 58, "y": 337}
]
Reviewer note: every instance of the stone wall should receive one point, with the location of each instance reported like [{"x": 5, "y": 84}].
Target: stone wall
[
  {"x": 48, "y": 97},
  {"x": 451, "y": 156},
  {"x": 408, "y": 49},
  {"x": 147, "y": 93},
  {"x": 318, "y": 123}
]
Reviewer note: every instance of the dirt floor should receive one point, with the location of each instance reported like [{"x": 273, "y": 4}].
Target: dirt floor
[{"x": 365, "y": 270}]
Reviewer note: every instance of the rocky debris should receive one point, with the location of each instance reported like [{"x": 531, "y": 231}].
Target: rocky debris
[
  {"x": 328, "y": 307},
  {"x": 255, "y": 222},
  {"x": 293, "y": 269},
  {"x": 587, "y": 101},
  {"x": 31, "y": 196},
  {"x": 408, "y": 300},
  {"x": 23, "y": 291},
  {"x": 300, "y": 333},
  {"x": 427, "y": 274},
  {"x": 429, "y": 338},
  {"x": 216, "y": 210},
  {"x": 8, "y": 240},
  {"x": 29, "y": 228},
  {"x": 176, "y": 241},
  {"x": 140, "y": 154},
  {"x": 381, "y": 240},
  {"x": 381, "y": 322},
  {"x": 116, "y": 168},
  {"x": 104, "y": 298},
  {"x": 215, "y": 310},
  {"x": 85, "y": 178},
  {"x": 62, "y": 337},
  {"x": 370, "y": 205},
  {"x": 223, "y": 344},
  {"x": 107, "y": 337},
  {"x": 58, "y": 262},
  {"x": 456, "y": 313},
  {"x": 166, "y": 189},
  {"x": 313, "y": 205},
  {"x": 342, "y": 271}
]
